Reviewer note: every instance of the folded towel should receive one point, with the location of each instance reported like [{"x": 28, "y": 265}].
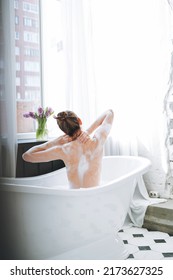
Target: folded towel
[{"x": 140, "y": 202}]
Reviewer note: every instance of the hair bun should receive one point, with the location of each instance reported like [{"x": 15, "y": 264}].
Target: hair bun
[{"x": 61, "y": 116}]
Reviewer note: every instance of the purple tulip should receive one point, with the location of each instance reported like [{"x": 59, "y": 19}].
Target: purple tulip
[
  {"x": 32, "y": 115},
  {"x": 48, "y": 112},
  {"x": 40, "y": 111},
  {"x": 26, "y": 115}
]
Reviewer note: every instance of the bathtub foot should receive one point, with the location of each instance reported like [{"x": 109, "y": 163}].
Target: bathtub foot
[{"x": 108, "y": 248}]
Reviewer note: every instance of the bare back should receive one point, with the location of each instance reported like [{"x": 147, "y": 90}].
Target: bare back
[{"x": 83, "y": 163}]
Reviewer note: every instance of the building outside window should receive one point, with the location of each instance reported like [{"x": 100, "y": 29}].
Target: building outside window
[
  {"x": 28, "y": 73},
  {"x": 38, "y": 41}
]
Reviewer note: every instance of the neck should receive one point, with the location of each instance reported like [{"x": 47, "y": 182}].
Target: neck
[{"x": 77, "y": 134}]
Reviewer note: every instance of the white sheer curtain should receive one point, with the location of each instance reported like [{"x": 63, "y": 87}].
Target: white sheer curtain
[
  {"x": 7, "y": 91},
  {"x": 53, "y": 59},
  {"x": 132, "y": 50},
  {"x": 78, "y": 48},
  {"x": 68, "y": 70}
]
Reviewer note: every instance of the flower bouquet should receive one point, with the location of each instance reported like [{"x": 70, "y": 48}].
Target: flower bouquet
[{"x": 41, "y": 116}]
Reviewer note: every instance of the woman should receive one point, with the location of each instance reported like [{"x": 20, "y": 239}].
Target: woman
[{"x": 81, "y": 153}]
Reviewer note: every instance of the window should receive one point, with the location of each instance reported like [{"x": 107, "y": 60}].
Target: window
[
  {"x": 32, "y": 81},
  {"x": 32, "y": 66},
  {"x": 17, "y": 35},
  {"x": 17, "y": 81},
  {"x": 31, "y": 37},
  {"x": 31, "y": 7},
  {"x": 18, "y": 95},
  {"x": 31, "y": 52},
  {"x": 16, "y": 4},
  {"x": 17, "y": 51},
  {"x": 16, "y": 20},
  {"x": 30, "y": 22},
  {"x": 32, "y": 95},
  {"x": 31, "y": 47},
  {"x": 27, "y": 52},
  {"x": 27, "y": 21},
  {"x": 17, "y": 66}
]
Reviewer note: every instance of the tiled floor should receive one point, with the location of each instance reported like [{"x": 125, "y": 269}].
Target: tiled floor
[{"x": 147, "y": 245}]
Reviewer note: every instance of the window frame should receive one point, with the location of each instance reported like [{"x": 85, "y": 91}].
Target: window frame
[{"x": 31, "y": 135}]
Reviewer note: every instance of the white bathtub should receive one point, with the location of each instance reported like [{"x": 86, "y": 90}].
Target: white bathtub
[{"x": 41, "y": 218}]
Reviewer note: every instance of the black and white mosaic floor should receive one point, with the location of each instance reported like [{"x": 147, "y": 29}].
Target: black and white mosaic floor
[{"x": 147, "y": 245}]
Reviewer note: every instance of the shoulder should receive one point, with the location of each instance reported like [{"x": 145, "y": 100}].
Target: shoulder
[{"x": 67, "y": 148}]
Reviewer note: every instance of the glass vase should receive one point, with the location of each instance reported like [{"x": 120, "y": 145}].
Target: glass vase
[{"x": 41, "y": 131}]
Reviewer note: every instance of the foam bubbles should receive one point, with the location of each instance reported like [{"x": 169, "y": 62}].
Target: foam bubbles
[{"x": 82, "y": 167}]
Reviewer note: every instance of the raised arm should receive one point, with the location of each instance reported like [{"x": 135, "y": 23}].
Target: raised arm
[
  {"x": 48, "y": 151},
  {"x": 101, "y": 126},
  {"x": 105, "y": 118}
]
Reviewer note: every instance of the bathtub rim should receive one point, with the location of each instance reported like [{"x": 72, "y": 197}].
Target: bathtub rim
[{"x": 35, "y": 189}]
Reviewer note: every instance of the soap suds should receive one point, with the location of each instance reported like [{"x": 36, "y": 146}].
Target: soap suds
[
  {"x": 82, "y": 167},
  {"x": 66, "y": 149},
  {"x": 105, "y": 130}
]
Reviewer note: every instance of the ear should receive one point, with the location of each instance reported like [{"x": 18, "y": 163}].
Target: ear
[{"x": 79, "y": 120}]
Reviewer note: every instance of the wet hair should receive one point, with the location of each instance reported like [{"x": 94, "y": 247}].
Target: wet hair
[{"x": 68, "y": 122}]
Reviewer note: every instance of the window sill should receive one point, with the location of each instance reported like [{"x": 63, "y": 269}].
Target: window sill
[{"x": 32, "y": 140}]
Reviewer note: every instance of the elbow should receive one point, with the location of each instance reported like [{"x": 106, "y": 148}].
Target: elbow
[
  {"x": 26, "y": 157},
  {"x": 111, "y": 111}
]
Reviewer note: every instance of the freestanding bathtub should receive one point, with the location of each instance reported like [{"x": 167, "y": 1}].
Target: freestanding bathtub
[{"x": 41, "y": 218}]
